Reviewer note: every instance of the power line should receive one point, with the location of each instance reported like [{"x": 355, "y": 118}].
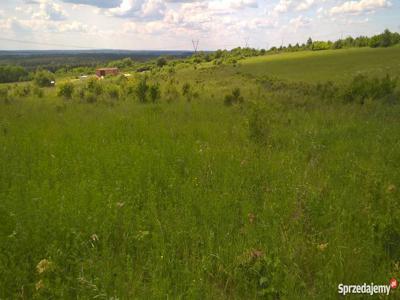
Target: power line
[{"x": 45, "y": 44}]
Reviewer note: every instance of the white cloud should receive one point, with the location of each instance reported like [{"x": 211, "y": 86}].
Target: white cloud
[
  {"x": 299, "y": 22},
  {"x": 284, "y": 6},
  {"x": 357, "y": 7},
  {"x": 139, "y": 9},
  {"x": 48, "y": 10},
  {"x": 241, "y": 4},
  {"x": 97, "y": 3}
]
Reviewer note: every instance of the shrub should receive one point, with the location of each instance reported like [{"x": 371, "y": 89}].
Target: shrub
[
  {"x": 141, "y": 90},
  {"x": 22, "y": 90},
  {"x": 113, "y": 91},
  {"x": 185, "y": 89},
  {"x": 233, "y": 98},
  {"x": 362, "y": 88},
  {"x": 44, "y": 78},
  {"x": 66, "y": 90},
  {"x": 187, "y": 92},
  {"x": 94, "y": 86},
  {"x": 155, "y": 92}
]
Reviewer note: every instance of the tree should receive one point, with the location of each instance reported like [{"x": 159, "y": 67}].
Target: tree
[
  {"x": 12, "y": 74},
  {"x": 386, "y": 38},
  {"x": 309, "y": 43},
  {"x": 161, "y": 62}
]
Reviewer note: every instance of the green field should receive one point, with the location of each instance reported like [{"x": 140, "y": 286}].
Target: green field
[
  {"x": 283, "y": 196},
  {"x": 326, "y": 65}
]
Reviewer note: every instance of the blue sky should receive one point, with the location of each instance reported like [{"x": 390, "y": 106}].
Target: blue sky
[{"x": 173, "y": 24}]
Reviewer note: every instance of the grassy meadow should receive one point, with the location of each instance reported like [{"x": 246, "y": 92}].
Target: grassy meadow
[{"x": 281, "y": 196}]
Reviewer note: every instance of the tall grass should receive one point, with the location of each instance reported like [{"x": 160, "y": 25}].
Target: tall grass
[{"x": 278, "y": 197}]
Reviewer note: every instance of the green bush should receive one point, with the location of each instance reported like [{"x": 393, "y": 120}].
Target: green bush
[
  {"x": 233, "y": 98},
  {"x": 362, "y": 88},
  {"x": 141, "y": 90},
  {"x": 44, "y": 78},
  {"x": 66, "y": 90},
  {"x": 94, "y": 86},
  {"x": 113, "y": 91},
  {"x": 23, "y": 90},
  {"x": 155, "y": 92},
  {"x": 187, "y": 91}
]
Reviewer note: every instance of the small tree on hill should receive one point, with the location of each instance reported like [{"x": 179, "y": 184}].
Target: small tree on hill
[
  {"x": 309, "y": 43},
  {"x": 161, "y": 62}
]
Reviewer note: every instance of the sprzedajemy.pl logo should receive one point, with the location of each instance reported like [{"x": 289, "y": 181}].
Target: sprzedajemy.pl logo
[{"x": 369, "y": 289}]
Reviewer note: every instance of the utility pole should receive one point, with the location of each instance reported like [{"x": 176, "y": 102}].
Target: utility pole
[
  {"x": 195, "y": 44},
  {"x": 246, "y": 42}
]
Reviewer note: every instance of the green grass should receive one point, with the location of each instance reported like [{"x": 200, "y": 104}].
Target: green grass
[
  {"x": 335, "y": 65},
  {"x": 181, "y": 201}
]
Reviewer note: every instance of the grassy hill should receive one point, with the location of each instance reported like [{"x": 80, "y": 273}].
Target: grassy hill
[
  {"x": 335, "y": 65},
  {"x": 283, "y": 195}
]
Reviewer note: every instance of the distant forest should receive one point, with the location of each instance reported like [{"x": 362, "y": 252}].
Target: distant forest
[{"x": 53, "y": 60}]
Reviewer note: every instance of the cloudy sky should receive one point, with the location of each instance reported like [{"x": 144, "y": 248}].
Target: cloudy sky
[{"x": 173, "y": 24}]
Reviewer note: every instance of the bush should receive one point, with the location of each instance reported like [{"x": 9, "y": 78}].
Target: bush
[
  {"x": 155, "y": 93},
  {"x": 187, "y": 92},
  {"x": 233, "y": 98},
  {"x": 22, "y": 90},
  {"x": 94, "y": 86},
  {"x": 44, "y": 78},
  {"x": 362, "y": 88},
  {"x": 113, "y": 91},
  {"x": 66, "y": 90},
  {"x": 141, "y": 90}
]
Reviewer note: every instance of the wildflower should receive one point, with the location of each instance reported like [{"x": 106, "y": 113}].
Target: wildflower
[
  {"x": 255, "y": 254},
  {"x": 94, "y": 237},
  {"x": 120, "y": 204},
  {"x": 322, "y": 247},
  {"x": 391, "y": 188},
  {"x": 39, "y": 285},
  {"x": 43, "y": 266},
  {"x": 252, "y": 217}
]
